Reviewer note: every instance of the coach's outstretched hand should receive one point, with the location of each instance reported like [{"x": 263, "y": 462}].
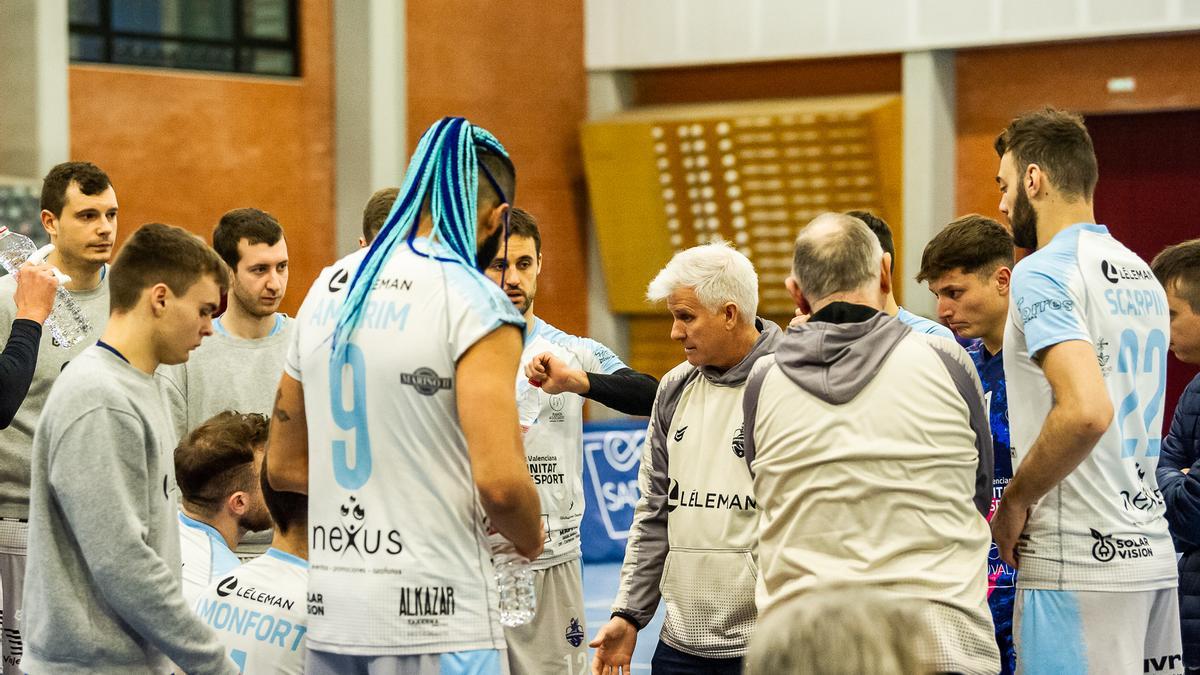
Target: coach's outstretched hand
[
  {"x": 554, "y": 376},
  {"x": 614, "y": 647}
]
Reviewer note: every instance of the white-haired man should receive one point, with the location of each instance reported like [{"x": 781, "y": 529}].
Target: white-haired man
[
  {"x": 697, "y": 506},
  {"x": 860, "y": 485}
]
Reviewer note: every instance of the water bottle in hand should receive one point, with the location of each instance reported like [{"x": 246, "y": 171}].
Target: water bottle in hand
[
  {"x": 67, "y": 322},
  {"x": 514, "y": 582}
]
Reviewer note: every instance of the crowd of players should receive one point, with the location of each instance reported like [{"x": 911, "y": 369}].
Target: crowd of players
[{"x": 813, "y": 500}]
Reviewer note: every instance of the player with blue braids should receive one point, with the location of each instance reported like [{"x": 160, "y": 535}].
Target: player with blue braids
[{"x": 396, "y": 414}]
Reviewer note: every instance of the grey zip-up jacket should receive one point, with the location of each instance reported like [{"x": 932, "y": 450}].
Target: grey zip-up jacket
[
  {"x": 872, "y": 457},
  {"x": 694, "y": 529}
]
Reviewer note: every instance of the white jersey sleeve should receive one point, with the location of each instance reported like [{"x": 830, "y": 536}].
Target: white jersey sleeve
[{"x": 204, "y": 555}]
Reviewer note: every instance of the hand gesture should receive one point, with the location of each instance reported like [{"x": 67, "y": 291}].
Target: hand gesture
[
  {"x": 614, "y": 647},
  {"x": 554, "y": 376},
  {"x": 1007, "y": 525}
]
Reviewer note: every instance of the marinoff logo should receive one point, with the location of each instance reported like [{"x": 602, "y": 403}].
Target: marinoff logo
[
  {"x": 1108, "y": 548},
  {"x": 338, "y": 281},
  {"x": 1115, "y": 273},
  {"x": 426, "y": 381},
  {"x": 227, "y": 586}
]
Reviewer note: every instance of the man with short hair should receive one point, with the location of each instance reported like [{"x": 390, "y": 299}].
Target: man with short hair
[
  {"x": 1085, "y": 352},
  {"x": 968, "y": 266},
  {"x": 858, "y": 485},
  {"x": 1177, "y": 268},
  {"x": 697, "y": 508},
  {"x": 103, "y": 586},
  {"x": 79, "y": 212},
  {"x": 217, "y": 467},
  {"x": 238, "y": 367},
  {"x": 884, "y": 232},
  {"x": 375, "y": 214},
  {"x": 280, "y": 582},
  {"x": 396, "y": 415},
  {"x": 559, "y": 372}
]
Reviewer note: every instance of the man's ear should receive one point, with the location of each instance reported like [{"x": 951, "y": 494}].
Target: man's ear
[
  {"x": 793, "y": 289},
  {"x": 49, "y": 223},
  {"x": 731, "y": 312},
  {"x": 1034, "y": 181},
  {"x": 885, "y": 274},
  {"x": 238, "y": 503},
  {"x": 1003, "y": 280},
  {"x": 496, "y": 217},
  {"x": 159, "y": 294}
]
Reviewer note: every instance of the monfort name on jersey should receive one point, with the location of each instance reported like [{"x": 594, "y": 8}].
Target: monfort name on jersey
[
  {"x": 678, "y": 497},
  {"x": 427, "y": 601}
]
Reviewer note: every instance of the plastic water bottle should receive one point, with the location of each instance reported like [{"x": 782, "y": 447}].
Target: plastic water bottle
[
  {"x": 514, "y": 582},
  {"x": 67, "y": 322}
]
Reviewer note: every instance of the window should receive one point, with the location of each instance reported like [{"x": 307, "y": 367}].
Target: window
[{"x": 238, "y": 36}]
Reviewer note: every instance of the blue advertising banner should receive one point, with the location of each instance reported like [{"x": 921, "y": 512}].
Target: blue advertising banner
[{"x": 611, "y": 456}]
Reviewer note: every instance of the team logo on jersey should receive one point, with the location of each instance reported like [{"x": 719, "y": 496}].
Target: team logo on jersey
[
  {"x": 679, "y": 434},
  {"x": 673, "y": 495},
  {"x": 1115, "y": 273},
  {"x": 338, "y": 280},
  {"x": 739, "y": 442},
  {"x": 702, "y": 499},
  {"x": 426, "y": 381},
  {"x": 352, "y": 534},
  {"x": 227, "y": 586},
  {"x": 557, "y": 402},
  {"x": 1108, "y": 547},
  {"x": 574, "y": 633}
]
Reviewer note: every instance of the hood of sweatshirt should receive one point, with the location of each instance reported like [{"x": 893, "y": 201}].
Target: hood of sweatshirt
[{"x": 839, "y": 351}]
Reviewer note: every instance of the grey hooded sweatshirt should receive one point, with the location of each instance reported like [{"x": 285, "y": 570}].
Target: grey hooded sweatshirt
[
  {"x": 693, "y": 532},
  {"x": 872, "y": 461}
]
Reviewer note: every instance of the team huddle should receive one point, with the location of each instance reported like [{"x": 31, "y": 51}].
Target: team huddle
[{"x": 863, "y": 491}]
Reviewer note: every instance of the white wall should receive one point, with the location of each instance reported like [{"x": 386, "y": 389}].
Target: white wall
[
  {"x": 627, "y": 34},
  {"x": 34, "y": 127}
]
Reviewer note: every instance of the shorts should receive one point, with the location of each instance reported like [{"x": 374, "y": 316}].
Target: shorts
[
  {"x": 476, "y": 662},
  {"x": 555, "y": 641},
  {"x": 1097, "y": 632},
  {"x": 14, "y": 538}
]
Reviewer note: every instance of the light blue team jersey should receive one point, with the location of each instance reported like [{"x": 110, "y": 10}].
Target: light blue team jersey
[
  {"x": 554, "y": 439},
  {"x": 1102, "y": 527},
  {"x": 204, "y": 554},
  {"x": 259, "y": 613},
  {"x": 923, "y": 325},
  {"x": 399, "y": 562}
]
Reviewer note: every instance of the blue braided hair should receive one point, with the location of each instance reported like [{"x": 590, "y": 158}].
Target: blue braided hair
[{"x": 445, "y": 171}]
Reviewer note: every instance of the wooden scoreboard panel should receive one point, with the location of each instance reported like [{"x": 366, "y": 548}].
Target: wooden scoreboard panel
[{"x": 665, "y": 179}]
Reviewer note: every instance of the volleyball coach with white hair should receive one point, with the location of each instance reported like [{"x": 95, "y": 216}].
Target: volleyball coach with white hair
[{"x": 695, "y": 524}]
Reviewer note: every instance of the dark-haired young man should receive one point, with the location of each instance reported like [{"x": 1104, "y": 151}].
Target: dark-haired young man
[
  {"x": 375, "y": 214},
  {"x": 968, "y": 266},
  {"x": 279, "y": 579},
  {"x": 1084, "y": 361},
  {"x": 103, "y": 585},
  {"x": 1178, "y": 270},
  {"x": 217, "y": 467},
  {"x": 559, "y": 371},
  {"x": 883, "y": 232},
  {"x": 79, "y": 212},
  {"x": 238, "y": 367}
]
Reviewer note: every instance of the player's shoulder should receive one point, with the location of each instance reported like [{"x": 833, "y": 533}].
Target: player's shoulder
[{"x": 469, "y": 290}]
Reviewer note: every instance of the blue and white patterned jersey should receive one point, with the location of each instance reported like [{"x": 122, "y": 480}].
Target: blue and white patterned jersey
[
  {"x": 204, "y": 554},
  {"x": 1002, "y": 578},
  {"x": 554, "y": 442},
  {"x": 259, "y": 614},
  {"x": 398, "y": 554},
  {"x": 923, "y": 325},
  {"x": 1101, "y": 528}
]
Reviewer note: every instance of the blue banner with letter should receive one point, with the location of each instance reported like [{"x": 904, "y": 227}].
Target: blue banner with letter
[{"x": 612, "y": 452}]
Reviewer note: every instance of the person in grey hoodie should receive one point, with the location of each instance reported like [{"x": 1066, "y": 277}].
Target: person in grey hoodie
[
  {"x": 693, "y": 531},
  {"x": 102, "y": 591},
  {"x": 871, "y": 453}
]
